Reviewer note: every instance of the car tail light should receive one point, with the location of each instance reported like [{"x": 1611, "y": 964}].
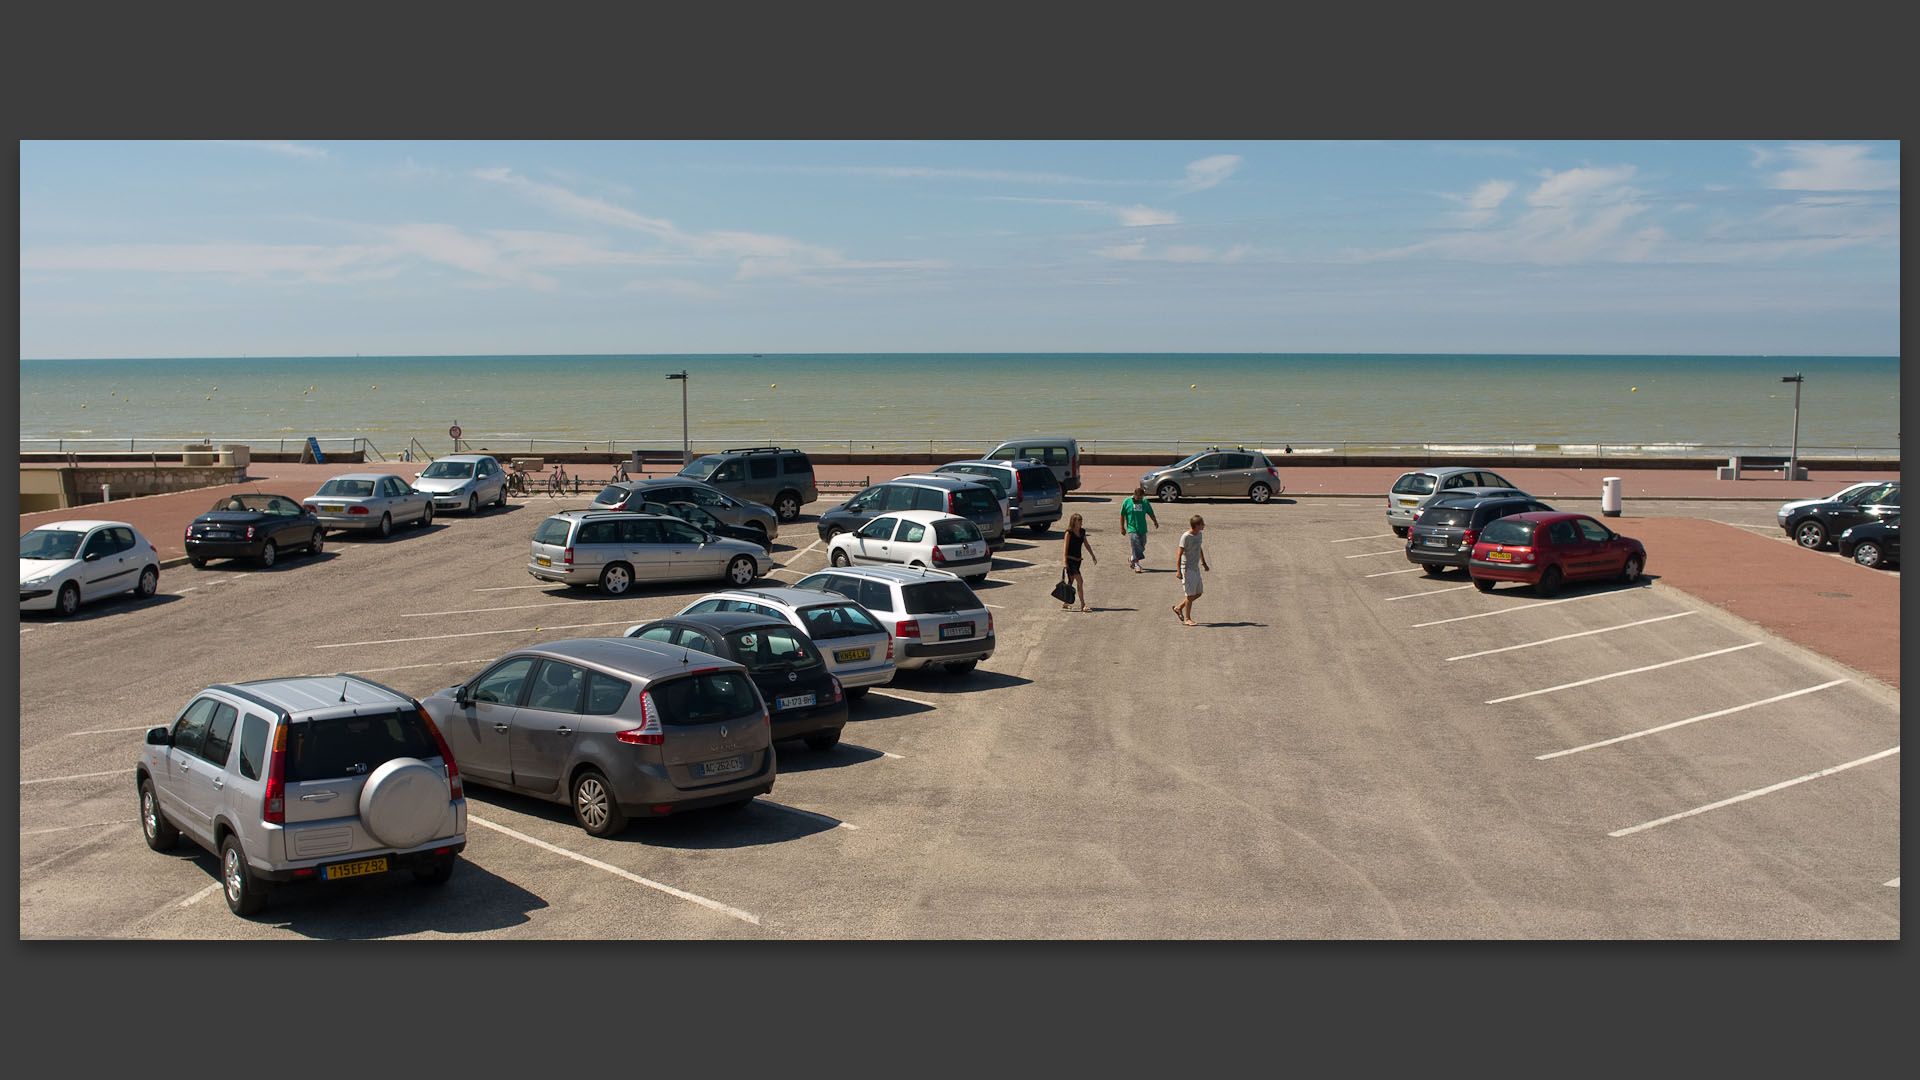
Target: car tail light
[
  {"x": 766, "y": 715},
  {"x": 1273, "y": 472},
  {"x": 938, "y": 556},
  {"x": 907, "y": 628},
  {"x": 1467, "y": 538},
  {"x": 649, "y": 733},
  {"x": 309, "y": 506},
  {"x": 889, "y": 646},
  {"x": 839, "y": 694},
  {"x": 566, "y": 557},
  {"x": 250, "y": 529},
  {"x": 455, "y": 790},
  {"x": 357, "y": 510},
  {"x": 274, "y": 806}
]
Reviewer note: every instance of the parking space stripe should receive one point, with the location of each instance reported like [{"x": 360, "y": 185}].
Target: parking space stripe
[
  {"x": 1755, "y": 528},
  {"x": 475, "y": 633},
  {"x": 1691, "y": 720},
  {"x": 77, "y": 776},
  {"x": 715, "y": 905},
  {"x": 70, "y": 828},
  {"x": 1390, "y": 573},
  {"x": 403, "y": 667},
  {"x": 1567, "y": 637},
  {"x": 201, "y": 895},
  {"x": 834, "y": 821},
  {"x": 1429, "y": 592},
  {"x": 509, "y": 607},
  {"x": 112, "y": 730},
  {"x": 1754, "y": 794},
  {"x": 1370, "y": 554},
  {"x": 1894, "y": 884},
  {"x": 1350, "y": 539},
  {"x": 1629, "y": 671},
  {"x": 1507, "y": 611}
]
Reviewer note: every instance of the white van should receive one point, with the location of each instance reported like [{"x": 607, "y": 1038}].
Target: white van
[{"x": 1057, "y": 452}]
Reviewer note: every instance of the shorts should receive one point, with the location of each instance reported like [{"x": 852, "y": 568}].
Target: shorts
[{"x": 1191, "y": 580}]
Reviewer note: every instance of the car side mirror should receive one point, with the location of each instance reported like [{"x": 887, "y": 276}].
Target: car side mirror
[
  {"x": 709, "y": 538},
  {"x": 159, "y": 736},
  {"x": 462, "y": 696}
]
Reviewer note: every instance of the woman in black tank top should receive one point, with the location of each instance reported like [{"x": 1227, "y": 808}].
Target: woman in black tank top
[{"x": 1076, "y": 545}]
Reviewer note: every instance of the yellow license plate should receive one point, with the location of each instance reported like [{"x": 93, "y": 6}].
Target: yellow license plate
[
  {"x": 332, "y": 509},
  {"x": 1500, "y": 556},
  {"x": 356, "y": 869},
  {"x": 847, "y": 656},
  {"x": 543, "y": 560}
]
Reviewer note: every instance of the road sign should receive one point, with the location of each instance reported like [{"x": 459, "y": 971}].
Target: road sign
[{"x": 453, "y": 432}]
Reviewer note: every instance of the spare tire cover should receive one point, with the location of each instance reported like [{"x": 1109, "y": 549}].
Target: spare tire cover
[{"x": 404, "y": 802}]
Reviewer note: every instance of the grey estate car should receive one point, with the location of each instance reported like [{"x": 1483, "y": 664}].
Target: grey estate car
[
  {"x": 934, "y": 616},
  {"x": 307, "y": 779},
  {"x": 1410, "y": 489},
  {"x": 616, "y": 549},
  {"x": 1444, "y": 533},
  {"x": 779, "y": 477},
  {"x": 615, "y": 728},
  {"x": 630, "y": 494}
]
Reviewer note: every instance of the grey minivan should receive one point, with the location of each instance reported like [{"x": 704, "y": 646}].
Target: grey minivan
[
  {"x": 615, "y": 728},
  {"x": 615, "y": 549},
  {"x": 1032, "y": 487},
  {"x": 306, "y": 779}
]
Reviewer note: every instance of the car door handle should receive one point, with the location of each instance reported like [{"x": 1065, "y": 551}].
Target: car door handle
[
  {"x": 563, "y": 731},
  {"x": 501, "y": 727},
  {"x": 319, "y": 796},
  {"x": 220, "y": 783},
  {"x": 185, "y": 765}
]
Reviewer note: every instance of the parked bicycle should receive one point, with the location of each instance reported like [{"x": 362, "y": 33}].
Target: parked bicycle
[
  {"x": 517, "y": 482},
  {"x": 557, "y": 481}
]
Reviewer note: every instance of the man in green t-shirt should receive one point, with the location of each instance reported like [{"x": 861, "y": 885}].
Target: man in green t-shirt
[{"x": 1135, "y": 512}]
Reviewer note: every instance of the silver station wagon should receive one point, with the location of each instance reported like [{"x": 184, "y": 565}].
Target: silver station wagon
[
  {"x": 615, "y": 549},
  {"x": 615, "y": 728},
  {"x": 858, "y": 648}
]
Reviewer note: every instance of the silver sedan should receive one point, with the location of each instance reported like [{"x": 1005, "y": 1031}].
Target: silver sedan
[{"x": 374, "y": 501}]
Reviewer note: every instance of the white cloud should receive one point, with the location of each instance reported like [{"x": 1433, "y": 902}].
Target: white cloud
[
  {"x": 290, "y": 149},
  {"x": 477, "y": 255},
  {"x": 680, "y": 287},
  {"x": 1480, "y": 203},
  {"x": 1145, "y": 215},
  {"x": 308, "y": 260},
  {"x": 1207, "y": 172},
  {"x": 1826, "y": 167},
  {"x": 1570, "y": 216}
]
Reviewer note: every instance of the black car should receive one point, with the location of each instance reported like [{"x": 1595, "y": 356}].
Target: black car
[
  {"x": 1874, "y": 544},
  {"x": 257, "y": 527},
  {"x": 700, "y": 519},
  {"x": 956, "y": 495},
  {"x": 804, "y": 698},
  {"x": 1443, "y": 535},
  {"x": 1815, "y": 524}
]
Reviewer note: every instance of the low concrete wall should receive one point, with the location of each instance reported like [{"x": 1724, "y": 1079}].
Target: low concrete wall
[{"x": 52, "y": 489}]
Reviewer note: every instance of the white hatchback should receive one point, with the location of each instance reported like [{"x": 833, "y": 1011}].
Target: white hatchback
[
  {"x": 63, "y": 563},
  {"x": 915, "y": 538}
]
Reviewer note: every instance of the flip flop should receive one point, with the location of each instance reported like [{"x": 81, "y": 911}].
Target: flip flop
[{"x": 1176, "y": 613}]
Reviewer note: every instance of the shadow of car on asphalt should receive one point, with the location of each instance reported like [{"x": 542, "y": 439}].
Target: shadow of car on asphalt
[
  {"x": 927, "y": 680},
  {"x": 680, "y": 828},
  {"x": 795, "y": 757},
  {"x": 103, "y": 608}
]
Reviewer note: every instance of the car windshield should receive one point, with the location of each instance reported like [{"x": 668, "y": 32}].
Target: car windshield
[
  {"x": 1509, "y": 531},
  {"x": 700, "y": 467},
  {"x": 347, "y": 489},
  {"x": 838, "y": 620},
  {"x": 1189, "y": 459},
  {"x": 49, "y": 544},
  {"x": 448, "y": 470}
]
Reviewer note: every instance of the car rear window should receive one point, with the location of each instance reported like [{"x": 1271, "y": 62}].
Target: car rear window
[
  {"x": 1508, "y": 531},
  {"x": 838, "y": 620},
  {"x": 974, "y": 502},
  {"x": 1446, "y": 516},
  {"x": 955, "y": 532},
  {"x": 796, "y": 463},
  {"x": 774, "y": 648},
  {"x": 554, "y": 531},
  {"x": 706, "y": 698},
  {"x": 1414, "y": 484},
  {"x": 611, "y": 495},
  {"x": 1040, "y": 479},
  {"x": 356, "y": 745},
  {"x": 346, "y": 488},
  {"x": 930, "y": 596}
]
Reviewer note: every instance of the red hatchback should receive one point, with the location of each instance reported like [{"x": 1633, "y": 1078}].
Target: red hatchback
[{"x": 1543, "y": 549}]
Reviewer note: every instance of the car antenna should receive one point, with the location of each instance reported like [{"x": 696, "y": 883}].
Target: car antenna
[{"x": 343, "y": 688}]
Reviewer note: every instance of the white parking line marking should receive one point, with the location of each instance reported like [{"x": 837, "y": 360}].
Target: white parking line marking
[
  {"x": 69, "y": 828},
  {"x": 112, "y": 730},
  {"x": 403, "y": 667},
  {"x": 1429, "y": 592},
  {"x": 1349, "y": 539},
  {"x": 1568, "y": 637},
  {"x": 201, "y": 895},
  {"x": 1390, "y": 573},
  {"x": 1894, "y": 884},
  {"x": 836, "y": 822},
  {"x": 474, "y": 633},
  {"x": 611, "y": 869},
  {"x": 1754, "y": 794},
  {"x": 186, "y": 590},
  {"x": 509, "y": 607},
  {"x": 1370, "y": 554},
  {"x": 504, "y": 588},
  {"x": 1738, "y": 525},
  {"x": 1691, "y": 720},
  {"x": 1629, "y": 671},
  {"x": 1507, "y": 611},
  {"x": 76, "y": 776}
]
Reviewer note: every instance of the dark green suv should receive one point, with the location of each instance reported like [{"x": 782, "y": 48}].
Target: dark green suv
[{"x": 779, "y": 477}]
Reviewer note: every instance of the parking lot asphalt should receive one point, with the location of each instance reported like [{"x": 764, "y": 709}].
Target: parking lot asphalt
[{"x": 1344, "y": 748}]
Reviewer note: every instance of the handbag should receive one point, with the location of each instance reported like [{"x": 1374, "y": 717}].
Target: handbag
[{"x": 1063, "y": 590}]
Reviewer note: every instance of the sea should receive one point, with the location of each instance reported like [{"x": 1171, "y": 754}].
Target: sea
[{"x": 965, "y": 402}]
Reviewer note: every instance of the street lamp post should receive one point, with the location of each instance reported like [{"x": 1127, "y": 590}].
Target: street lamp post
[
  {"x": 1793, "y": 457},
  {"x": 686, "y": 455}
]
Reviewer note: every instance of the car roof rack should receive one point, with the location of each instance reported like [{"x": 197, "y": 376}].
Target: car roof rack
[{"x": 750, "y": 449}]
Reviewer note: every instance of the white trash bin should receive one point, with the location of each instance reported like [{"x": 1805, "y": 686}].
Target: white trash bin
[{"x": 1610, "y": 497}]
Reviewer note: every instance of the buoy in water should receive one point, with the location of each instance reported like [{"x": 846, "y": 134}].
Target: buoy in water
[{"x": 1195, "y": 386}]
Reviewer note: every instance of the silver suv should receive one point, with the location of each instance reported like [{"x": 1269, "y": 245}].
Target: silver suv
[
  {"x": 616, "y": 550},
  {"x": 306, "y": 779},
  {"x": 613, "y": 727},
  {"x": 780, "y": 477},
  {"x": 1216, "y": 473},
  {"x": 934, "y": 617}
]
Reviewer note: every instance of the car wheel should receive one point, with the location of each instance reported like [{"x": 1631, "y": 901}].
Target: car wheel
[
  {"x": 245, "y": 893},
  {"x": 436, "y": 872},
  {"x": 761, "y": 537},
  {"x": 318, "y": 542},
  {"x": 1432, "y": 570},
  {"x": 1483, "y": 584},
  {"x": 501, "y": 499},
  {"x": 69, "y": 601},
  {"x": 1400, "y": 531},
  {"x": 1868, "y": 554},
  {"x": 386, "y": 526},
  {"x": 160, "y": 833},
  {"x": 1259, "y": 493},
  {"x": 1038, "y": 528},
  {"x": 741, "y": 570},
  {"x": 822, "y": 740},
  {"x": 1549, "y": 582},
  {"x": 787, "y": 506},
  {"x": 268, "y": 553},
  {"x": 473, "y": 505},
  {"x": 197, "y": 561},
  {"x": 1630, "y": 573},
  {"x": 854, "y": 693},
  {"x": 149, "y": 582},
  {"x": 840, "y": 557},
  {"x": 962, "y": 667},
  {"x": 594, "y": 807},
  {"x": 426, "y": 515},
  {"x": 1810, "y": 534},
  {"x": 616, "y": 579},
  {"x": 1169, "y": 492}
]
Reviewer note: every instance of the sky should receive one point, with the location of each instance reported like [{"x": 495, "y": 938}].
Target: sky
[{"x": 321, "y": 248}]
